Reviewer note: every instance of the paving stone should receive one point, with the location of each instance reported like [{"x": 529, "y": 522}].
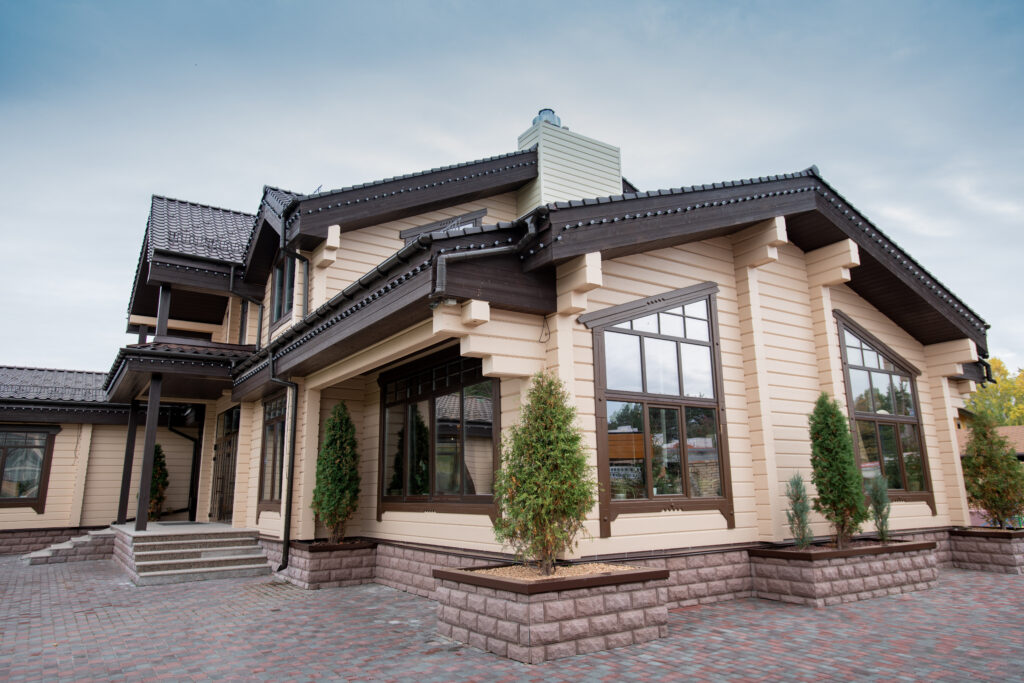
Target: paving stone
[{"x": 83, "y": 620}]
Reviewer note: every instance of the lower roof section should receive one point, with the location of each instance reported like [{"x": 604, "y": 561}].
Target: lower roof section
[{"x": 191, "y": 369}]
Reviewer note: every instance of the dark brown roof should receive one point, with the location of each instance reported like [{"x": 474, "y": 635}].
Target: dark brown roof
[
  {"x": 45, "y": 384},
  {"x": 198, "y": 230}
]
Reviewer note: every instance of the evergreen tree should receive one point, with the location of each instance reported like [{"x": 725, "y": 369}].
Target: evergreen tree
[
  {"x": 158, "y": 484},
  {"x": 993, "y": 477},
  {"x": 878, "y": 501},
  {"x": 799, "y": 511},
  {"x": 336, "y": 494},
  {"x": 544, "y": 488},
  {"x": 835, "y": 474}
]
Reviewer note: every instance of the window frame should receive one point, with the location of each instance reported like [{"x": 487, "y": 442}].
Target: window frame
[
  {"x": 436, "y": 502},
  {"x": 846, "y": 323},
  {"x": 38, "y": 503},
  {"x": 282, "y": 302},
  {"x": 277, "y": 464},
  {"x": 604, "y": 320}
]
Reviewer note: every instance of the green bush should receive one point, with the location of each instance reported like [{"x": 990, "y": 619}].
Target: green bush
[
  {"x": 544, "y": 488},
  {"x": 158, "y": 484},
  {"x": 336, "y": 495},
  {"x": 878, "y": 501},
  {"x": 835, "y": 473},
  {"x": 993, "y": 477},
  {"x": 799, "y": 511}
]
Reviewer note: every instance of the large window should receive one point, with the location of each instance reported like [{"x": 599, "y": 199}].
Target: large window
[
  {"x": 439, "y": 433},
  {"x": 272, "y": 456},
  {"x": 282, "y": 291},
  {"x": 25, "y": 454},
  {"x": 660, "y": 405},
  {"x": 884, "y": 413}
]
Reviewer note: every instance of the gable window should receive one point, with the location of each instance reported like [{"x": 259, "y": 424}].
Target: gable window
[
  {"x": 272, "y": 455},
  {"x": 884, "y": 413},
  {"x": 25, "y": 455},
  {"x": 439, "y": 432},
  {"x": 282, "y": 291},
  {"x": 659, "y": 404}
]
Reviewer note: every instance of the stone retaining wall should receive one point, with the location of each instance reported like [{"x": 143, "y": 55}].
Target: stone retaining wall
[
  {"x": 941, "y": 539},
  {"x": 411, "y": 569},
  {"x": 27, "y": 540},
  {"x": 988, "y": 550},
  {"x": 819, "y": 579},
  {"x": 534, "y": 628},
  {"x": 94, "y": 545},
  {"x": 702, "y": 578},
  {"x": 312, "y": 567}
]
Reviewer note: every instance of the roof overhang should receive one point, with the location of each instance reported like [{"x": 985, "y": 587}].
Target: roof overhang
[
  {"x": 815, "y": 216},
  {"x": 388, "y": 200},
  {"x": 193, "y": 372}
]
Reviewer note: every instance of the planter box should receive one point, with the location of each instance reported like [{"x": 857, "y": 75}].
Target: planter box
[
  {"x": 534, "y": 621},
  {"x": 325, "y": 565},
  {"x": 988, "y": 550},
  {"x": 829, "y": 577}
]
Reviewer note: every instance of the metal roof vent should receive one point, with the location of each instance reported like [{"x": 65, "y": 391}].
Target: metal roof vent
[{"x": 549, "y": 116}]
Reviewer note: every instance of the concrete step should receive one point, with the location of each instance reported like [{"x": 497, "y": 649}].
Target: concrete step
[
  {"x": 200, "y": 563},
  {"x": 195, "y": 553},
  {"x": 204, "y": 535},
  {"x": 185, "y": 543},
  {"x": 185, "y": 575}
]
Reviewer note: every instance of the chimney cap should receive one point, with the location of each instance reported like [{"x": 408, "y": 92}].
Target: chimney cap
[{"x": 548, "y": 115}]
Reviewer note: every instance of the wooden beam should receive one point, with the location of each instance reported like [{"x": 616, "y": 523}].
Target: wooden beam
[
  {"x": 152, "y": 418},
  {"x": 129, "y": 459}
]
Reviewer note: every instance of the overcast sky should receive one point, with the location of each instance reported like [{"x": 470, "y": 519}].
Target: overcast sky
[{"x": 912, "y": 111}]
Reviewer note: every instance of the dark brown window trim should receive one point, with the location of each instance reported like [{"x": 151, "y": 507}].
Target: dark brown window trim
[
  {"x": 474, "y": 218},
  {"x": 895, "y": 495},
  {"x": 598, "y": 321},
  {"x": 438, "y": 503},
  {"x": 264, "y": 505},
  {"x": 38, "y": 504},
  {"x": 286, "y": 263}
]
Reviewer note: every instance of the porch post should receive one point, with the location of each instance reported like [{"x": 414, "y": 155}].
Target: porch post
[
  {"x": 163, "y": 311},
  {"x": 152, "y": 419},
  {"x": 129, "y": 459}
]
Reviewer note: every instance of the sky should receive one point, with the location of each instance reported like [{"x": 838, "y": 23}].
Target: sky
[{"x": 911, "y": 110}]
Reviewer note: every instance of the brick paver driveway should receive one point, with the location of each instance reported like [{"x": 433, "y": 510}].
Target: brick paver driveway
[{"x": 86, "y": 622}]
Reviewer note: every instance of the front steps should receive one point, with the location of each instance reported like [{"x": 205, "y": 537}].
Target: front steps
[
  {"x": 168, "y": 553},
  {"x": 94, "y": 545}
]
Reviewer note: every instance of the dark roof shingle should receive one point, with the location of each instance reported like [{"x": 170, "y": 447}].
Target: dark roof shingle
[
  {"x": 45, "y": 384},
  {"x": 198, "y": 230}
]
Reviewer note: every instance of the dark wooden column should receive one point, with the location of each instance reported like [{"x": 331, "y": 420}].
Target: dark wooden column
[
  {"x": 152, "y": 419},
  {"x": 129, "y": 459},
  {"x": 163, "y": 311}
]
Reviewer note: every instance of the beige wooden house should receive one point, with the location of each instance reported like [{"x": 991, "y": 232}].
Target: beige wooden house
[{"x": 694, "y": 328}]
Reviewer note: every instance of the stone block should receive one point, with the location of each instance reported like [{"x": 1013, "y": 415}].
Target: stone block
[
  {"x": 559, "y": 650},
  {"x": 460, "y": 634},
  {"x": 655, "y": 615},
  {"x": 616, "y": 602},
  {"x": 544, "y": 634},
  {"x": 508, "y": 631},
  {"x": 497, "y": 646},
  {"x": 558, "y": 610},
  {"x": 644, "y": 598},
  {"x": 592, "y": 644},
  {"x": 486, "y": 625},
  {"x": 604, "y": 624},
  {"x": 496, "y": 608},
  {"x": 517, "y": 612},
  {"x": 619, "y": 639},
  {"x": 574, "y": 628},
  {"x": 631, "y": 619},
  {"x": 595, "y": 604},
  {"x": 645, "y": 634},
  {"x": 477, "y": 640}
]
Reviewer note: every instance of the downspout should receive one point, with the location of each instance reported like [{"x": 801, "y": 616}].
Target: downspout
[
  {"x": 193, "y": 484},
  {"x": 291, "y": 463}
]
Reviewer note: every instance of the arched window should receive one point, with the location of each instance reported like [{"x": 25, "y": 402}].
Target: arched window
[
  {"x": 884, "y": 412},
  {"x": 659, "y": 405}
]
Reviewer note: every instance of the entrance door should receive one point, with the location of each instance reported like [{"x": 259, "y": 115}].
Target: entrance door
[{"x": 223, "y": 494}]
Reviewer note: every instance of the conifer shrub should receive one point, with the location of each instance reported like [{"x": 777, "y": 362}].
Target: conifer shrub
[
  {"x": 834, "y": 471},
  {"x": 336, "y": 495},
  {"x": 158, "y": 484},
  {"x": 544, "y": 488},
  {"x": 878, "y": 501},
  {"x": 799, "y": 511},
  {"x": 993, "y": 477}
]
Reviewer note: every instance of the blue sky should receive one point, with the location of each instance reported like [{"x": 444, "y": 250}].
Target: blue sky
[{"x": 911, "y": 110}]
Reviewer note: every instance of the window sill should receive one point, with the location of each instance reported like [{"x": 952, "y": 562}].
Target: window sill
[
  {"x": 482, "y": 507},
  {"x": 34, "y": 503},
  {"x": 667, "y": 504}
]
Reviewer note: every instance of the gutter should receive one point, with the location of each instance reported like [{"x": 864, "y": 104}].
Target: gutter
[
  {"x": 441, "y": 275},
  {"x": 287, "y": 535}
]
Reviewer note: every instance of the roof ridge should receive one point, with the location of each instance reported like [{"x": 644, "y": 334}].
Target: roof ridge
[
  {"x": 414, "y": 174},
  {"x": 25, "y": 367},
  {"x": 203, "y": 206},
  {"x": 811, "y": 170}
]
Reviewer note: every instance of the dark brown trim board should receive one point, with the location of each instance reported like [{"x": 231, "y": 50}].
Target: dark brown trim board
[{"x": 552, "y": 585}]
